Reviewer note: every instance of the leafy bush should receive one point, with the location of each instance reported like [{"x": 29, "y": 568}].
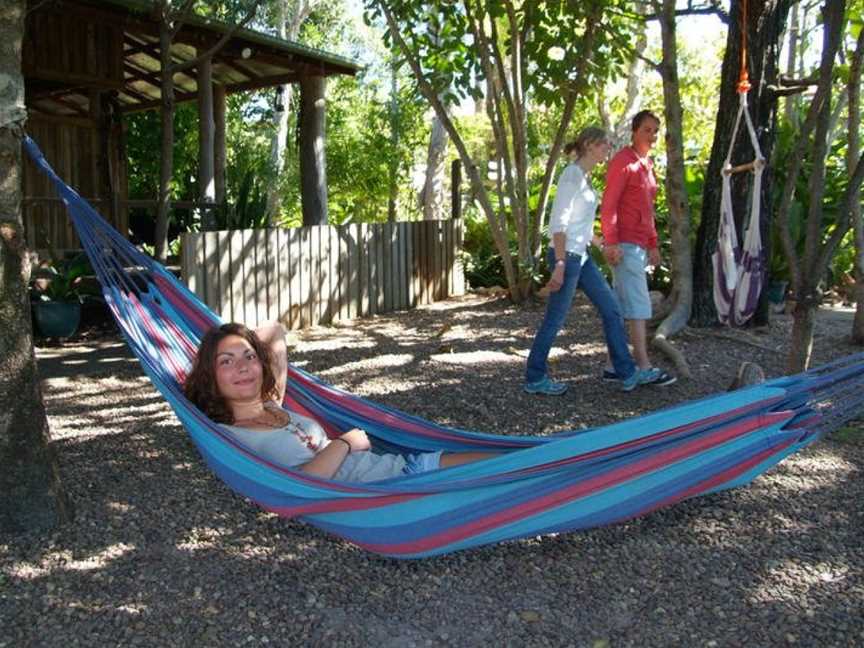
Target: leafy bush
[{"x": 62, "y": 281}]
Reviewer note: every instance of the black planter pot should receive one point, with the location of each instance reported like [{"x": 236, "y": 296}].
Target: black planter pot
[{"x": 57, "y": 319}]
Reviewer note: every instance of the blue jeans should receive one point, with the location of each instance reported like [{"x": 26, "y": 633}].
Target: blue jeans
[{"x": 588, "y": 277}]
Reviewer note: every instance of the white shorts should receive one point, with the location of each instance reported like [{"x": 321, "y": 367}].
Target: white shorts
[{"x": 422, "y": 462}]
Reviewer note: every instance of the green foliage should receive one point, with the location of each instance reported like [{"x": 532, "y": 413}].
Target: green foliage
[
  {"x": 143, "y": 146},
  {"x": 62, "y": 281},
  {"x": 249, "y": 208},
  {"x": 852, "y": 434},
  {"x": 553, "y": 51},
  {"x": 836, "y": 179},
  {"x": 247, "y": 146}
]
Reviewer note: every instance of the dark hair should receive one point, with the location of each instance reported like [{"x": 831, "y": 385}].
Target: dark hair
[
  {"x": 586, "y": 137},
  {"x": 200, "y": 385},
  {"x": 640, "y": 117}
]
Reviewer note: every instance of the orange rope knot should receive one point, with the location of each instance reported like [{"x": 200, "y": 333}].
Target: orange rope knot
[{"x": 743, "y": 82}]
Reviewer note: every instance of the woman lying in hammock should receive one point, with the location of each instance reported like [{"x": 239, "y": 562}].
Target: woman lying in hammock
[{"x": 238, "y": 379}]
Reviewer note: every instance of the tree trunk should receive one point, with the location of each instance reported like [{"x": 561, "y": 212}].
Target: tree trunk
[
  {"x": 676, "y": 193},
  {"x": 280, "y": 127},
  {"x": 430, "y": 195},
  {"x": 809, "y": 270},
  {"x": 31, "y": 494},
  {"x": 765, "y": 21},
  {"x": 852, "y": 152},
  {"x": 619, "y": 131},
  {"x": 393, "y": 166},
  {"x": 803, "y": 323},
  {"x": 792, "y": 102}
]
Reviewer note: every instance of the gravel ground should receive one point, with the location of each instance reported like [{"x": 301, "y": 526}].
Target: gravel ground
[{"x": 162, "y": 554}]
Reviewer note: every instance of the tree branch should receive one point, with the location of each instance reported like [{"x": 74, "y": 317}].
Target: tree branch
[
  {"x": 179, "y": 67},
  {"x": 796, "y": 158},
  {"x": 178, "y": 18},
  {"x": 471, "y": 168}
]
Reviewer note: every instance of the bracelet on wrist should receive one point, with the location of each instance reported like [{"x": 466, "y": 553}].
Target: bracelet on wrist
[{"x": 346, "y": 443}]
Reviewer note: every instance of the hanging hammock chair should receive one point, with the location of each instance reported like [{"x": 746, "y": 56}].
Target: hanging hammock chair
[
  {"x": 739, "y": 274},
  {"x": 573, "y": 480}
]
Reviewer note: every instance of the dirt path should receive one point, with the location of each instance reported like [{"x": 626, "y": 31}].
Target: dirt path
[{"x": 161, "y": 553}]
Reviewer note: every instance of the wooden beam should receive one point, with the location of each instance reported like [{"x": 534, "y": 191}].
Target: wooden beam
[
  {"x": 68, "y": 104},
  {"x": 34, "y": 114},
  {"x": 137, "y": 74},
  {"x": 75, "y": 79},
  {"x": 206, "y": 128},
  {"x": 747, "y": 166},
  {"x": 264, "y": 82},
  {"x": 132, "y": 92},
  {"x": 239, "y": 67}
]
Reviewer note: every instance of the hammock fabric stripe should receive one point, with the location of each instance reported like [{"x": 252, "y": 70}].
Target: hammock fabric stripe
[{"x": 564, "y": 482}]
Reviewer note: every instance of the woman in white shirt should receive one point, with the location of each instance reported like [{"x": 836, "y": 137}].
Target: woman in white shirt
[
  {"x": 238, "y": 379},
  {"x": 571, "y": 226}
]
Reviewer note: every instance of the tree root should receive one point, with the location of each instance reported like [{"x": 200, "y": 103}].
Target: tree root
[
  {"x": 677, "y": 357},
  {"x": 740, "y": 337}
]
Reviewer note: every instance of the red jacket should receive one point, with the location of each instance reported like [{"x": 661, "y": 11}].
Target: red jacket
[{"x": 627, "y": 211}]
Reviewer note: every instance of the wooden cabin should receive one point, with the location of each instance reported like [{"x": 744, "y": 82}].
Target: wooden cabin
[{"x": 87, "y": 63}]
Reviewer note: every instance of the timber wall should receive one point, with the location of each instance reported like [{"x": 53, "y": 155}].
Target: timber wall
[{"x": 320, "y": 274}]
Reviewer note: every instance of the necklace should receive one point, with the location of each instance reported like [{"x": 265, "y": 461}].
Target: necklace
[{"x": 269, "y": 418}]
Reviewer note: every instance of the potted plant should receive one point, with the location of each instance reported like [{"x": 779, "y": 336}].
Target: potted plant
[{"x": 55, "y": 296}]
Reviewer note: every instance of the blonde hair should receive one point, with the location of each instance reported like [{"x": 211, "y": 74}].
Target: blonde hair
[{"x": 587, "y": 136}]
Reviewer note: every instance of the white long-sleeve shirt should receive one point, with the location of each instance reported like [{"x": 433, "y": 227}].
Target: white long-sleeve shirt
[{"x": 573, "y": 209}]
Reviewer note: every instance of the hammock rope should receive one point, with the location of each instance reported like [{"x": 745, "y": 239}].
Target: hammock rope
[
  {"x": 569, "y": 481},
  {"x": 739, "y": 274}
]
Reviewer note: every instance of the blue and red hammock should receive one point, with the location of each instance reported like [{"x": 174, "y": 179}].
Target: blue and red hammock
[{"x": 574, "y": 480}]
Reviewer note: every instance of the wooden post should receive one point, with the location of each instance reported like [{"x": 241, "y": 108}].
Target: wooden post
[
  {"x": 219, "y": 142},
  {"x": 206, "y": 128},
  {"x": 313, "y": 169}
]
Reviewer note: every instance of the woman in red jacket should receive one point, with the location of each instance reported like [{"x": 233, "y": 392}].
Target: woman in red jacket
[{"x": 629, "y": 234}]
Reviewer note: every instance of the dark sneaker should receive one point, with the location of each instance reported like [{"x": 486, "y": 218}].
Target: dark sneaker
[
  {"x": 661, "y": 378},
  {"x": 545, "y": 386},
  {"x": 639, "y": 377},
  {"x": 610, "y": 376}
]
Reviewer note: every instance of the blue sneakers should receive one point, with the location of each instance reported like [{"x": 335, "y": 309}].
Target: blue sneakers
[{"x": 545, "y": 386}]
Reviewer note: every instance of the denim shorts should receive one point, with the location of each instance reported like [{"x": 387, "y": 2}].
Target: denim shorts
[
  {"x": 631, "y": 282},
  {"x": 422, "y": 462}
]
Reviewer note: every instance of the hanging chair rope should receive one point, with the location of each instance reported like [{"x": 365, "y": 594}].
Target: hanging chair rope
[{"x": 740, "y": 273}]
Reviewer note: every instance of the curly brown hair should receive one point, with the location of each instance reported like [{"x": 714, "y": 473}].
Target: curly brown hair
[{"x": 200, "y": 385}]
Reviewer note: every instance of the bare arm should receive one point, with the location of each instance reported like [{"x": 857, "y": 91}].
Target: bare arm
[
  {"x": 272, "y": 334},
  {"x": 327, "y": 462}
]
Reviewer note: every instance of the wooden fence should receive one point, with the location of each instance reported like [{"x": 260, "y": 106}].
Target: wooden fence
[{"x": 320, "y": 274}]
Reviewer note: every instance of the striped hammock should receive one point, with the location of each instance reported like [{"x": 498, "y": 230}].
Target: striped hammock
[{"x": 537, "y": 485}]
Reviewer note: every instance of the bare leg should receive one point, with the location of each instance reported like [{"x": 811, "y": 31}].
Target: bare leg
[
  {"x": 458, "y": 458},
  {"x": 640, "y": 346}
]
